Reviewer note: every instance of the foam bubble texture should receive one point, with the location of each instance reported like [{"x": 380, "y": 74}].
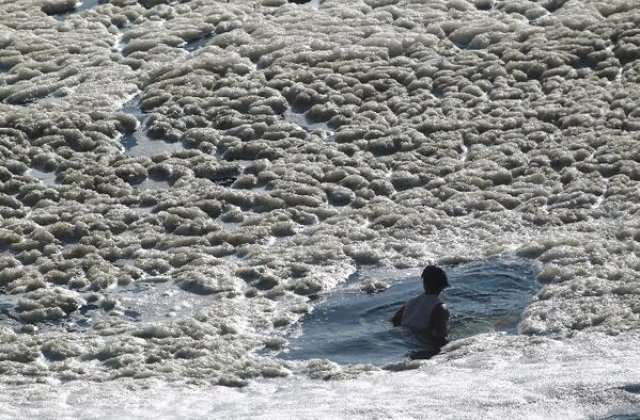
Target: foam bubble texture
[{"x": 280, "y": 146}]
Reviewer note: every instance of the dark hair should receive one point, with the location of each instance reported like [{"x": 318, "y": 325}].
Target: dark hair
[{"x": 434, "y": 279}]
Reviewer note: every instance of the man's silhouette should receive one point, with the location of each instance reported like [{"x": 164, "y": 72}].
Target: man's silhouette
[{"x": 426, "y": 315}]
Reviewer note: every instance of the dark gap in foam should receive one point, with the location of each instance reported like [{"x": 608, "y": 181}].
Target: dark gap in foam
[
  {"x": 138, "y": 142},
  {"x": 349, "y": 326},
  {"x": 63, "y": 10},
  {"x": 198, "y": 43}
]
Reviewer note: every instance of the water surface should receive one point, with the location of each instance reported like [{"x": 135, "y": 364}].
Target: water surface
[
  {"x": 198, "y": 43},
  {"x": 137, "y": 142},
  {"x": 350, "y": 326}
]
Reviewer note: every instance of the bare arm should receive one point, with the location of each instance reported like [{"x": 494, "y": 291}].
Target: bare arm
[
  {"x": 397, "y": 318},
  {"x": 440, "y": 324}
]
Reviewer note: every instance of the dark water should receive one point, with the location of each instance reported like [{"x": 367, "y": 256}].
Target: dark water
[
  {"x": 313, "y": 3},
  {"x": 198, "y": 43},
  {"x": 350, "y": 326}
]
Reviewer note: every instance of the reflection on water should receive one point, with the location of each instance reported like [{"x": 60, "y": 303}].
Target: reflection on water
[{"x": 350, "y": 326}]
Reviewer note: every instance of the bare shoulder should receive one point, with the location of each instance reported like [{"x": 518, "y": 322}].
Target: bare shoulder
[{"x": 441, "y": 310}]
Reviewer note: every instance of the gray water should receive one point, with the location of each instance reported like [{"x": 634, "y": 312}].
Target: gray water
[
  {"x": 48, "y": 178},
  {"x": 307, "y": 124},
  {"x": 138, "y": 143},
  {"x": 351, "y": 327}
]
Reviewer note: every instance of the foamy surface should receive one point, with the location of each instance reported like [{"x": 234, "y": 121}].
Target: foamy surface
[
  {"x": 177, "y": 179},
  {"x": 591, "y": 377}
]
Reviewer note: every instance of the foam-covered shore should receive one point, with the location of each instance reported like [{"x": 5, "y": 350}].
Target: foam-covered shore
[
  {"x": 580, "y": 378},
  {"x": 286, "y": 145}
]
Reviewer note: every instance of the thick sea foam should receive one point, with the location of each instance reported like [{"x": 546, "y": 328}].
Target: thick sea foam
[{"x": 180, "y": 182}]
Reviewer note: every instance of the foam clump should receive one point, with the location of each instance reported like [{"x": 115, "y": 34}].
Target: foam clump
[
  {"x": 153, "y": 331},
  {"x": 47, "y": 304},
  {"x": 215, "y": 281},
  {"x": 403, "y": 365}
]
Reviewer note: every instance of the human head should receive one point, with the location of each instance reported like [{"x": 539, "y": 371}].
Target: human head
[{"x": 434, "y": 279}]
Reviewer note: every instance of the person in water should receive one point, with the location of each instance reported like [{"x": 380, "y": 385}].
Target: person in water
[{"x": 426, "y": 315}]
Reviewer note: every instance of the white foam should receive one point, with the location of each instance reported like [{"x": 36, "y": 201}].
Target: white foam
[{"x": 576, "y": 378}]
